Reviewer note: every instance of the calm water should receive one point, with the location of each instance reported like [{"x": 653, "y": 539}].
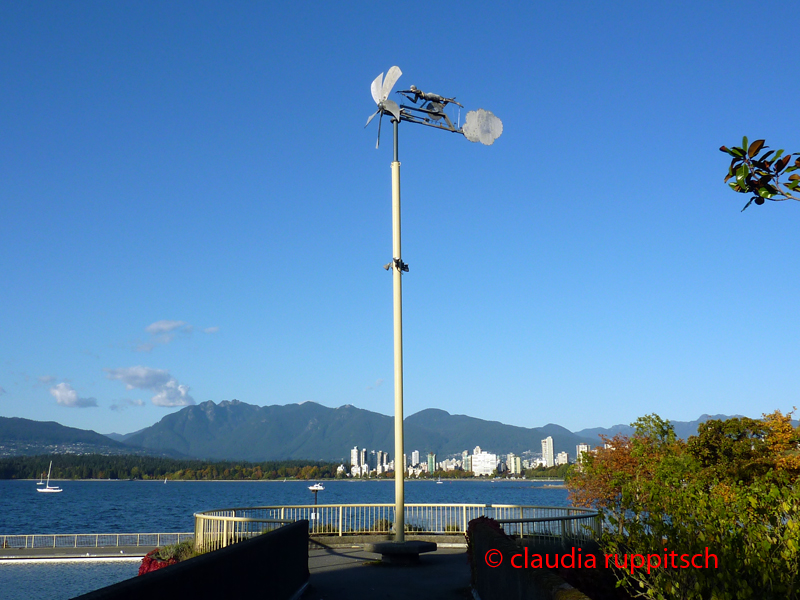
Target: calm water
[
  {"x": 153, "y": 506},
  {"x": 57, "y": 580}
]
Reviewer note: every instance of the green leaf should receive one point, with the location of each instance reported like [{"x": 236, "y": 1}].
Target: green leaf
[
  {"x": 741, "y": 174},
  {"x": 765, "y": 193},
  {"x": 744, "y": 143}
]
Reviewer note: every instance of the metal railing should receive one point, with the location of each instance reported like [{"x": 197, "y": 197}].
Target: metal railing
[
  {"x": 218, "y": 528},
  {"x": 92, "y": 540},
  {"x": 565, "y": 529}
]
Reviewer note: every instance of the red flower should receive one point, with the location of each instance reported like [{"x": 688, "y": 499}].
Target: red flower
[{"x": 150, "y": 563}]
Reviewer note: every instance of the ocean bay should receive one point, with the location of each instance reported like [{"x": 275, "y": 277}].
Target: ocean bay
[{"x": 156, "y": 507}]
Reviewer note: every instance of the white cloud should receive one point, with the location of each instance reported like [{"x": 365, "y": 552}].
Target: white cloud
[
  {"x": 143, "y": 378},
  {"x": 163, "y": 326},
  {"x": 211, "y": 330},
  {"x": 125, "y": 403},
  {"x": 65, "y": 395},
  {"x": 168, "y": 392},
  {"x": 173, "y": 394},
  {"x": 377, "y": 384}
]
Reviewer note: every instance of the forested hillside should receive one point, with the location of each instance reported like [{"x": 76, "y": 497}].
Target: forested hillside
[{"x": 95, "y": 466}]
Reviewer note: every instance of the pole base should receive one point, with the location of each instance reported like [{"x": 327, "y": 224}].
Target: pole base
[{"x": 400, "y": 553}]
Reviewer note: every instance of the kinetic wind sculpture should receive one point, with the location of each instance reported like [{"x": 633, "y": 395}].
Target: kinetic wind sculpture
[
  {"x": 480, "y": 125},
  {"x": 426, "y": 109}
]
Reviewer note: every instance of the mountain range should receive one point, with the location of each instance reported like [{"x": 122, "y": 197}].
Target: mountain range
[{"x": 234, "y": 430}]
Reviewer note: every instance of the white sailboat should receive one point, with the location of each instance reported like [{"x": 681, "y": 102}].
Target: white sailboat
[
  {"x": 41, "y": 480},
  {"x": 48, "y": 488}
]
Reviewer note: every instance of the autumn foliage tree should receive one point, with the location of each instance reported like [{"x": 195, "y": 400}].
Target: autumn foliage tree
[{"x": 731, "y": 491}]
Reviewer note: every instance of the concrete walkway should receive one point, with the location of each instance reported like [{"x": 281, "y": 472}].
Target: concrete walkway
[{"x": 352, "y": 574}]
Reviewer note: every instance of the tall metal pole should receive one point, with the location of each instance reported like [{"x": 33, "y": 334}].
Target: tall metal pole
[{"x": 397, "y": 285}]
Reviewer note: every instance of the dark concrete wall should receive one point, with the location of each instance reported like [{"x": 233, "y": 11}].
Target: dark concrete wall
[
  {"x": 273, "y": 565},
  {"x": 505, "y": 582}
]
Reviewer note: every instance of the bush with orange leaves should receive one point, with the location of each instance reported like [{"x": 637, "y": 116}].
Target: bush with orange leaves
[{"x": 732, "y": 489}]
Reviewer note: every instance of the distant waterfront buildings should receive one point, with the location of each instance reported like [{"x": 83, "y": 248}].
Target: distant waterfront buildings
[{"x": 366, "y": 463}]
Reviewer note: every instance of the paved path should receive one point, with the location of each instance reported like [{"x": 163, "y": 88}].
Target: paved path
[{"x": 352, "y": 574}]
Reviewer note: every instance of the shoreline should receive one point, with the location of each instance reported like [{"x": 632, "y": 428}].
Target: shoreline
[{"x": 287, "y": 480}]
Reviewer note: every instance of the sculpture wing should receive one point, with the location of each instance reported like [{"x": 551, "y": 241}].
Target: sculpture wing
[
  {"x": 391, "y": 78},
  {"x": 376, "y": 87}
]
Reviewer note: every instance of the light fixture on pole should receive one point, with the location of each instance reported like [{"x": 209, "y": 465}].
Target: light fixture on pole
[
  {"x": 425, "y": 109},
  {"x": 317, "y": 487}
]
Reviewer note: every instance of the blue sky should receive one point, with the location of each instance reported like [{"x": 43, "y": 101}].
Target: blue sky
[{"x": 191, "y": 210}]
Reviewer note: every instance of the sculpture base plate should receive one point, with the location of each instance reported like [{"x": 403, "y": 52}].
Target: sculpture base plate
[{"x": 400, "y": 553}]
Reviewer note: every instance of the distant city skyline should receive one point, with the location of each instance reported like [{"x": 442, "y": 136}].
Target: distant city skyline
[{"x": 364, "y": 461}]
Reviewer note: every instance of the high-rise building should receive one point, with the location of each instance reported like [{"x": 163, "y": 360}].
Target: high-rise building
[
  {"x": 355, "y": 457},
  {"x": 372, "y": 460},
  {"x": 579, "y": 450},
  {"x": 514, "y": 464},
  {"x": 547, "y": 452},
  {"x": 562, "y": 458},
  {"x": 415, "y": 458},
  {"x": 483, "y": 463},
  {"x": 431, "y": 462}
]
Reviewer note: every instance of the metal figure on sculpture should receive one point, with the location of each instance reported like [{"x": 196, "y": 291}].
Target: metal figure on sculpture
[
  {"x": 431, "y": 109},
  {"x": 415, "y": 95}
]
